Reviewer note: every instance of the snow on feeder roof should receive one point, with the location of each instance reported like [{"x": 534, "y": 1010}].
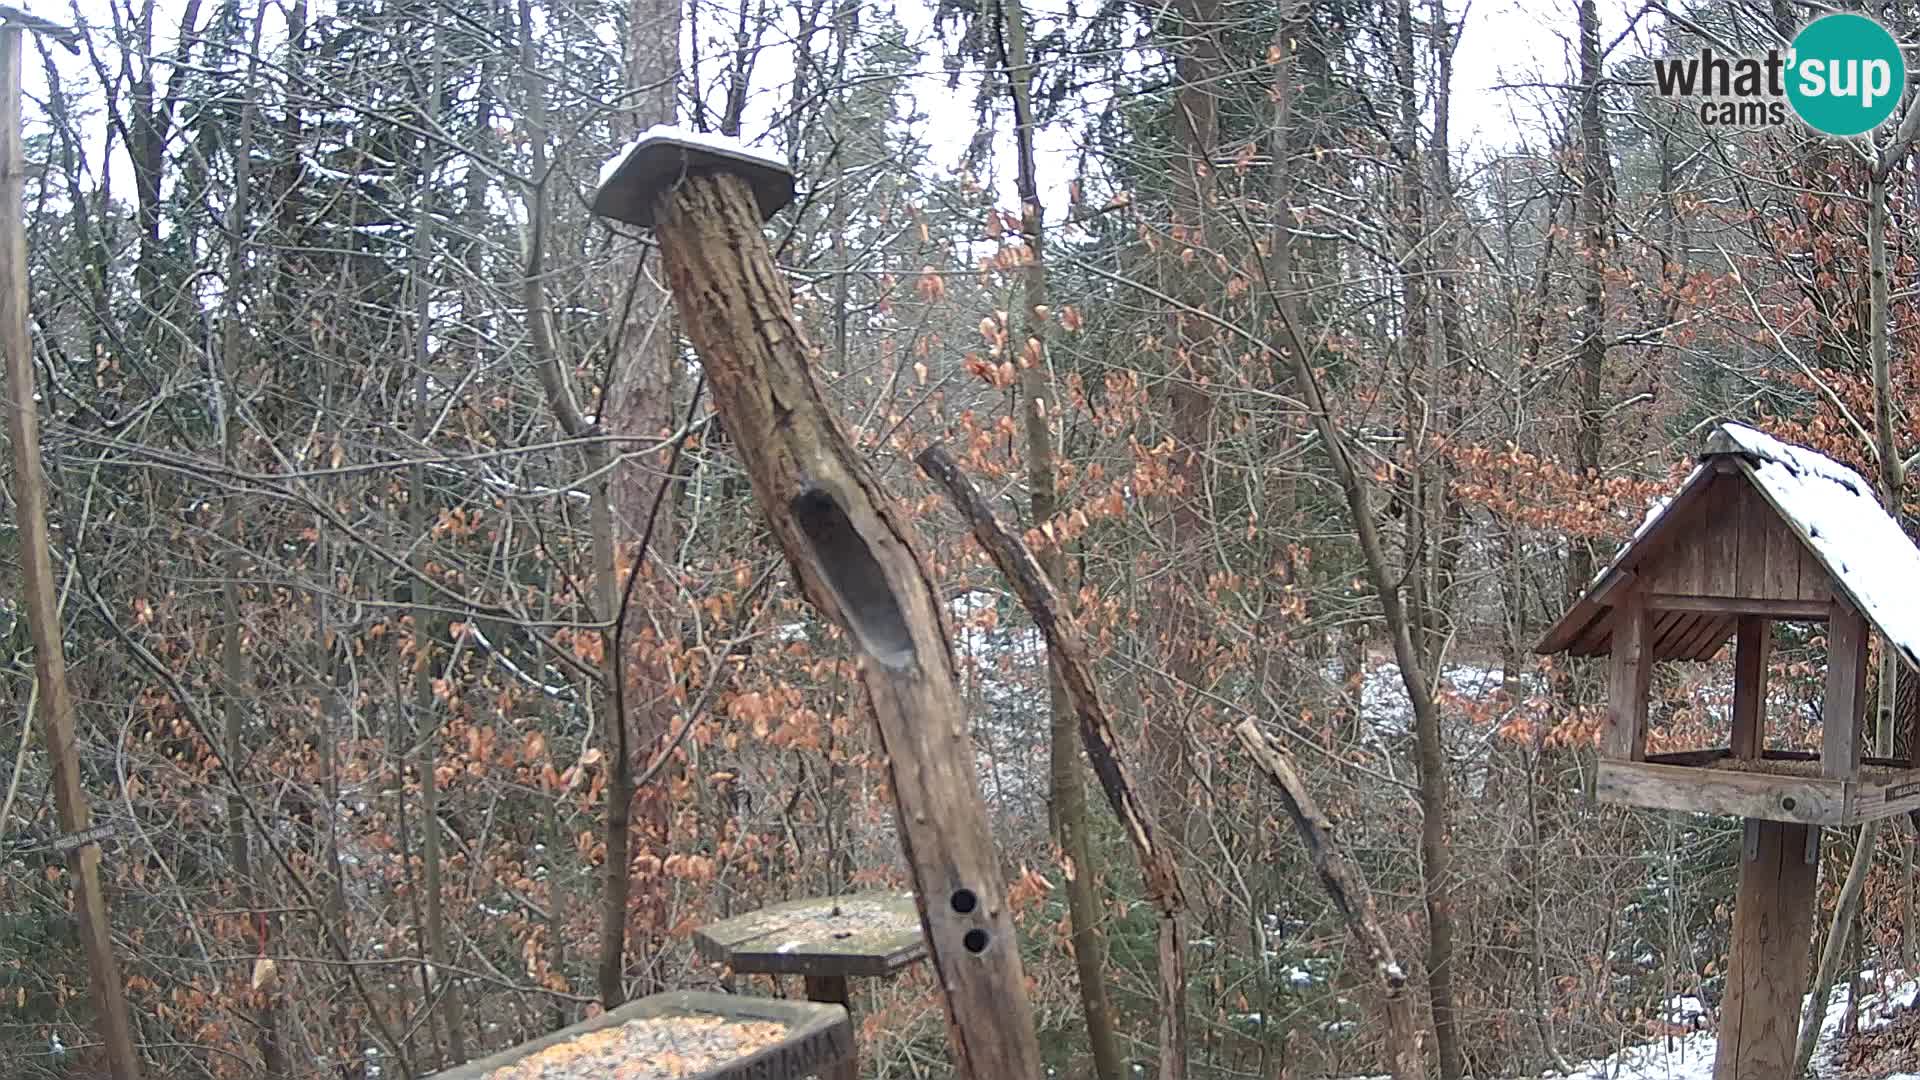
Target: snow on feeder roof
[
  {"x": 649, "y": 166},
  {"x": 1764, "y": 527}
]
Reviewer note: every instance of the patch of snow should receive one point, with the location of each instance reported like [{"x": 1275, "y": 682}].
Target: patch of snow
[
  {"x": 1837, "y": 510},
  {"x": 723, "y": 144}
]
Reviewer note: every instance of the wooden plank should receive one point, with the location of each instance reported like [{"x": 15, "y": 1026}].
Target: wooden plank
[
  {"x": 1845, "y": 700},
  {"x": 1721, "y": 791},
  {"x": 1767, "y": 968},
  {"x": 863, "y": 934},
  {"x": 1720, "y": 552},
  {"x": 1707, "y": 641},
  {"x": 1753, "y": 520},
  {"x": 1753, "y": 644},
  {"x": 1630, "y": 674},
  {"x": 1783, "y": 557},
  {"x": 1796, "y": 609},
  {"x": 817, "y": 1037},
  {"x": 1670, "y": 629},
  {"x": 1899, "y": 795}
]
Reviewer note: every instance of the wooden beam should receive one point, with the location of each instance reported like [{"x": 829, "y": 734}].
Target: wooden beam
[
  {"x": 1630, "y": 676},
  {"x": 857, "y": 557},
  {"x": 1767, "y": 968},
  {"x": 1801, "y": 610},
  {"x": 1722, "y": 791},
  {"x": 1845, "y": 702},
  {"x": 1753, "y": 643},
  {"x": 1899, "y": 795},
  {"x": 37, "y": 589}
]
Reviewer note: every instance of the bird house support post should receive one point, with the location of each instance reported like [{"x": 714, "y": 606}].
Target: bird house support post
[
  {"x": 854, "y": 554},
  {"x": 37, "y": 589}
]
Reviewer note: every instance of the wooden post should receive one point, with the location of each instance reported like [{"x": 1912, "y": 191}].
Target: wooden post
[
  {"x": 854, "y": 554},
  {"x": 832, "y": 990},
  {"x": 1846, "y": 692},
  {"x": 37, "y": 588},
  {"x": 1630, "y": 675},
  {"x": 1767, "y": 971},
  {"x": 1752, "y": 643}
]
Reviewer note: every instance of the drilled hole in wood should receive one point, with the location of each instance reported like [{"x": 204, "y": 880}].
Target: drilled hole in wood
[
  {"x": 964, "y": 901},
  {"x": 1788, "y": 803},
  {"x": 975, "y": 941},
  {"x": 855, "y": 577}
]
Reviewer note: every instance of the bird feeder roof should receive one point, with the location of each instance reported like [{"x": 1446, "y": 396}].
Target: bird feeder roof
[{"x": 1760, "y": 527}]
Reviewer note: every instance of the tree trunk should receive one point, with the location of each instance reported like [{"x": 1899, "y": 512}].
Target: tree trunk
[
  {"x": 858, "y": 559},
  {"x": 232, "y": 661},
  {"x": 1036, "y": 416},
  {"x": 1595, "y": 207}
]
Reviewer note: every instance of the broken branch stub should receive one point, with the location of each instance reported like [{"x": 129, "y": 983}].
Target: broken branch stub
[
  {"x": 857, "y": 559},
  {"x": 1347, "y": 888}
]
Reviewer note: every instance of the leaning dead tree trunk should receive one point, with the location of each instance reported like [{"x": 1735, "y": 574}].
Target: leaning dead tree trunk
[
  {"x": 1348, "y": 890},
  {"x": 854, "y": 554},
  {"x": 1068, "y": 652}
]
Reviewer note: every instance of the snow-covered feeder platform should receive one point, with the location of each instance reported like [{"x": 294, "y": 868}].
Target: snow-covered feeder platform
[{"x": 1762, "y": 532}]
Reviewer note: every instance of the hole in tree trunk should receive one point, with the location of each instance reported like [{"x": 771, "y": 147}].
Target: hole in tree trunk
[{"x": 855, "y": 577}]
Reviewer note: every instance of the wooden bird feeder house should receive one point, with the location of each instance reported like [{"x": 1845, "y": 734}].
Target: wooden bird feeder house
[{"x": 1761, "y": 532}]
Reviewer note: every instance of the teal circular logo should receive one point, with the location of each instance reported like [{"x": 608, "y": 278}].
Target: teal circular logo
[{"x": 1847, "y": 74}]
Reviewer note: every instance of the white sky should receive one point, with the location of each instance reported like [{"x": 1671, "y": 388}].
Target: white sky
[{"x": 1510, "y": 69}]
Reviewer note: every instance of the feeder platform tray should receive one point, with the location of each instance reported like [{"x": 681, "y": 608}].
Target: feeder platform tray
[
  {"x": 862, "y": 934},
  {"x": 683, "y": 1035},
  {"x": 1781, "y": 785}
]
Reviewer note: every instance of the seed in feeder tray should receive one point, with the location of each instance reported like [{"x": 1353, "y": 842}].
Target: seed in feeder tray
[{"x": 660, "y": 1048}]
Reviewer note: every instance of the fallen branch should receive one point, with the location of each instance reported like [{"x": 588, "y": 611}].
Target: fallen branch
[
  {"x": 1068, "y": 653},
  {"x": 1347, "y": 888}
]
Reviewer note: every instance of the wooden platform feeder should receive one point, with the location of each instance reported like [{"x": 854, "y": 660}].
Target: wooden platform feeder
[
  {"x": 826, "y": 941},
  {"x": 684, "y": 1035},
  {"x": 1761, "y": 532}
]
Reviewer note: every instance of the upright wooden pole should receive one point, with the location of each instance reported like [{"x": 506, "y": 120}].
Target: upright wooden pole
[
  {"x": 855, "y": 555},
  {"x": 36, "y": 569},
  {"x": 1767, "y": 972}
]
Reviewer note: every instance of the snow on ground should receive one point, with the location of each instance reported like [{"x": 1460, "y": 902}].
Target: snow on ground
[{"x": 1691, "y": 1057}]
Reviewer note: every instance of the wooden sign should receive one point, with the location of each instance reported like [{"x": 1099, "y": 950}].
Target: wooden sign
[{"x": 70, "y": 841}]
